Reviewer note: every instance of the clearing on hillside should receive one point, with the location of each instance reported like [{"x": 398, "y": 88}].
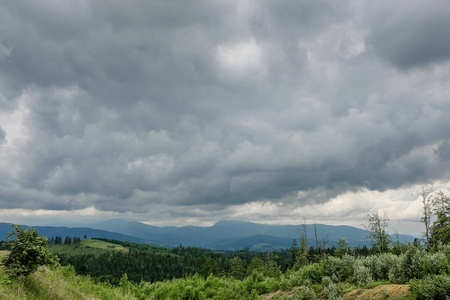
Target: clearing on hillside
[{"x": 86, "y": 247}]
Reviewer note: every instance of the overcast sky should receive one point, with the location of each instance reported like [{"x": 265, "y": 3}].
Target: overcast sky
[{"x": 189, "y": 112}]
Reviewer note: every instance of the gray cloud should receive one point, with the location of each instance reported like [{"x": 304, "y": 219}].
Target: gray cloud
[
  {"x": 131, "y": 106},
  {"x": 444, "y": 150},
  {"x": 413, "y": 36},
  {"x": 2, "y": 135}
]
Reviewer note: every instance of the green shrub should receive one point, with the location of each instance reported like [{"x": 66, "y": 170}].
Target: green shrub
[
  {"x": 28, "y": 252},
  {"x": 374, "y": 264},
  {"x": 384, "y": 266},
  {"x": 412, "y": 263},
  {"x": 312, "y": 272},
  {"x": 361, "y": 274},
  {"x": 396, "y": 273},
  {"x": 434, "y": 263},
  {"x": 307, "y": 293},
  {"x": 292, "y": 278},
  {"x": 341, "y": 268},
  {"x": 330, "y": 290},
  {"x": 432, "y": 287}
]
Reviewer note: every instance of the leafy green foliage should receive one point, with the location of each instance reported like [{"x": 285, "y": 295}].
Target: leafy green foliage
[
  {"x": 432, "y": 287},
  {"x": 28, "y": 251},
  {"x": 361, "y": 274},
  {"x": 376, "y": 228},
  {"x": 330, "y": 289},
  {"x": 342, "y": 248},
  {"x": 440, "y": 230},
  {"x": 328, "y": 279},
  {"x": 195, "y": 273},
  {"x": 341, "y": 268},
  {"x": 306, "y": 293}
]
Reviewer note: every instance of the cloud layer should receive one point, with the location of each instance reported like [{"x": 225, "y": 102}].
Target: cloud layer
[{"x": 131, "y": 107}]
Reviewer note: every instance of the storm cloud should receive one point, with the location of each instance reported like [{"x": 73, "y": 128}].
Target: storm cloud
[
  {"x": 130, "y": 106},
  {"x": 411, "y": 34}
]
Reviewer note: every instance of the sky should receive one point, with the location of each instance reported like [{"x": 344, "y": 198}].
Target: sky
[{"x": 187, "y": 113}]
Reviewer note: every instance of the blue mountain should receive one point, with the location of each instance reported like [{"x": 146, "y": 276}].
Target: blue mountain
[
  {"x": 232, "y": 235},
  {"x": 224, "y": 235}
]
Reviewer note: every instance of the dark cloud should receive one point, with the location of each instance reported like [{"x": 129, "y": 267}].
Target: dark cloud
[
  {"x": 2, "y": 135},
  {"x": 444, "y": 151},
  {"x": 126, "y": 107},
  {"x": 412, "y": 36}
]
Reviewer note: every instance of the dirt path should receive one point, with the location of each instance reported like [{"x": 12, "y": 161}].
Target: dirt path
[{"x": 391, "y": 291}]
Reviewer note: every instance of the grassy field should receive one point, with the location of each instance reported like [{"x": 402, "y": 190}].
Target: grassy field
[
  {"x": 86, "y": 247},
  {"x": 59, "y": 283}
]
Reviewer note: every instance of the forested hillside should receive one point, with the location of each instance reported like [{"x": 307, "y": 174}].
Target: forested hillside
[{"x": 333, "y": 277}]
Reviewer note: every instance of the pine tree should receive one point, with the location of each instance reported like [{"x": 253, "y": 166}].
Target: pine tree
[{"x": 294, "y": 250}]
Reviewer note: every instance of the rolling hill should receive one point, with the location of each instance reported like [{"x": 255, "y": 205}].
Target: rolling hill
[{"x": 52, "y": 231}]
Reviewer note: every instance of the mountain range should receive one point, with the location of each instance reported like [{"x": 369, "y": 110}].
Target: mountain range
[{"x": 224, "y": 235}]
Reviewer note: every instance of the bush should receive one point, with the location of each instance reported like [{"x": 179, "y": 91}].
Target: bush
[
  {"x": 361, "y": 274},
  {"x": 28, "y": 252},
  {"x": 412, "y": 264},
  {"x": 312, "y": 272},
  {"x": 342, "y": 268},
  {"x": 330, "y": 289},
  {"x": 381, "y": 265},
  {"x": 435, "y": 263},
  {"x": 307, "y": 293},
  {"x": 396, "y": 271},
  {"x": 432, "y": 287}
]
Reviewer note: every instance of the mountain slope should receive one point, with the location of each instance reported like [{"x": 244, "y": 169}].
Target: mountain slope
[
  {"x": 228, "y": 235},
  {"x": 52, "y": 231},
  {"x": 224, "y": 235}
]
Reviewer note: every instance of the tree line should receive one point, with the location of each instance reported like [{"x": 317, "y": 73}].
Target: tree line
[{"x": 57, "y": 240}]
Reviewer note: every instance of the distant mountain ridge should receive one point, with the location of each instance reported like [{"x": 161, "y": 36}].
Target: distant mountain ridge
[
  {"x": 224, "y": 235},
  {"x": 232, "y": 235}
]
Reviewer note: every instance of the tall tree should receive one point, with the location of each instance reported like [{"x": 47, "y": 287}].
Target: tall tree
[
  {"x": 342, "y": 248},
  {"x": 376, "y": 228},
  {"x": 427, "y": 205},
  {"x": 294, "y": 252},
  {"x": 237, "y": 267},
  {"x": 302, "y": 257},
  {"x": 317, "y": 240},
  {"x": 440, "y": 231}
]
